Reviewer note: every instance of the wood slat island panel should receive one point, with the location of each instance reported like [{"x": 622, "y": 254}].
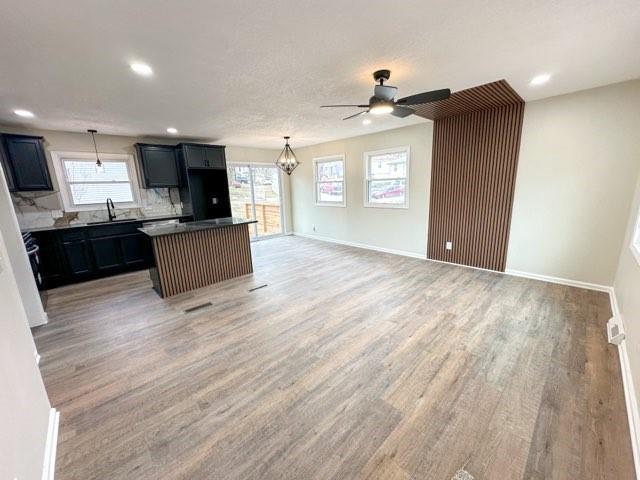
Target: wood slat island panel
[{"x": 190, "y": 260}]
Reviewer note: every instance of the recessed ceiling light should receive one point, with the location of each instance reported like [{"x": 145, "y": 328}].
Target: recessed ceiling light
[
  {"x": 540, "y": 79},
  {"x": 142, "y": 69},
  {"x": 23, "y": 113},
  {"x": 366, "y": 121},
  {"x": 172, "y": 130}
]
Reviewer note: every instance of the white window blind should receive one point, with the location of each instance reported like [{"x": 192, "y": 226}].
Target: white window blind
[{"x": 83, "y": 187}]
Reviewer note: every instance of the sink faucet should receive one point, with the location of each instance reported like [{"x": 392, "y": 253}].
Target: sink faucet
[{"x": 111, "y": 209}]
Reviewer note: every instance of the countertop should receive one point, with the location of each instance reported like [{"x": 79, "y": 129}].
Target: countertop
[
  {"x": 187, "y": 227},
  {"x": 106, "y": 222}
]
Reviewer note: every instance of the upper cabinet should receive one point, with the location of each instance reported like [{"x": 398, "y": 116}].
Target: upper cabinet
[
  {"x": 203, "y": 156},
  {"x": 6, "y": 168},
  {"x": 25, "y": 163},
  {"x": 158, "y": 165}
]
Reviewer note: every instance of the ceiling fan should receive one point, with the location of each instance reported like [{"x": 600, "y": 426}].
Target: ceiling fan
[{"x": 383, "y": 99}]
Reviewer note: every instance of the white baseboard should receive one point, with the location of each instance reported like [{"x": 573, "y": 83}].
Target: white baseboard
[
  {"x": 393, "y": 251},
  {"x": 515, "y": 273},
  {"x": 49, "y": 466},
  {"x": 561, "y": 281},
  {"x": 630, "y": 398},
  {"x": 42, "y": 321}
]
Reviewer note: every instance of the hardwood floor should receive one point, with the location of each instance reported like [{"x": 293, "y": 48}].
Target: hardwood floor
[{"x": 348, "y": 364}]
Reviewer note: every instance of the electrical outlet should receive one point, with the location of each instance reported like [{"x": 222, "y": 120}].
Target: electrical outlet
[
  {"x": 449, "y": 246},
  {"x": 56, "y": 213}
]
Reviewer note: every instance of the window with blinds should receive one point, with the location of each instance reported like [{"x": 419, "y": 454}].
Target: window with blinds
[{"x": 84, "y": 187}]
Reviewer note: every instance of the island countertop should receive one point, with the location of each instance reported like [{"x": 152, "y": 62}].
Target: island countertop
[{"x": 187, "y": 227}]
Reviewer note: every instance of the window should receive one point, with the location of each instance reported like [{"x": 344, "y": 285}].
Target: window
[
  {"x": 329, "y": 181},
  {"x": 82, "y": 187},
  {"x": 386, "y": 178},
  {"x": 635, "y": 239}
]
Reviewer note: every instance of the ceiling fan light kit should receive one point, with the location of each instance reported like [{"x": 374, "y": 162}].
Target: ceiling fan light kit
[{"x": 383, "y": 101}]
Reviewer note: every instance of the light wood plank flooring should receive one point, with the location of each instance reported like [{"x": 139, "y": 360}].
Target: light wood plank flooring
[{"x": 348, "y": 364}]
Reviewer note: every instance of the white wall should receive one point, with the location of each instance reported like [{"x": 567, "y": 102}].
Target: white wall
[
  {"x": 579, "y": 160},
  {"x": 627, "y": 288},
  {"x": 24, "y": 406},
  {"x": 16, "y": 256},
  {"x": 396, "y": 229}
]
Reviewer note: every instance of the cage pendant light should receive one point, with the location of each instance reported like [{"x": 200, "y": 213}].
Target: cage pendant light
[{"x": 287, "y": 160}]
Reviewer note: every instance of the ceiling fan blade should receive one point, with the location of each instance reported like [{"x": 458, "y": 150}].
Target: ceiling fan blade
[
  {"x": 355, "y": 115},
  {"x": 426, "y": 97},
  {"x": 402, "y": 112},
  {"x": 350, "y": 106}
]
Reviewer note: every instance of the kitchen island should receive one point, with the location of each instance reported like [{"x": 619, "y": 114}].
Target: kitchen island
[{"x": 196, "y": 254}]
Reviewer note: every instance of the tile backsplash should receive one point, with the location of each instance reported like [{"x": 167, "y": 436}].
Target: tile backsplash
[{"x": 44, "y": 209}]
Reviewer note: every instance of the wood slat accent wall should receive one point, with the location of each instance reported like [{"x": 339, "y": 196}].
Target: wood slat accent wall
[
  {"x": 483, "y": 97},
  {"x": 187, "y": 261},
  {"x": 475, "y": 157}
]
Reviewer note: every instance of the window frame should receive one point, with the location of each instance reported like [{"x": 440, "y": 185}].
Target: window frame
[
  {"x": 635, "y": 238},
  {"x": 367, "y": 155},
  {"x": 65, "y": 190},
  {"x": 340, "y": 157}
]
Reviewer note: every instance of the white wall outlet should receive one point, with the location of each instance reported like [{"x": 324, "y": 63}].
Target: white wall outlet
[
  {"x": 448, "y": 245},
  {"x": 615, "y": 331},
  {"x": 57, "y": 213}
]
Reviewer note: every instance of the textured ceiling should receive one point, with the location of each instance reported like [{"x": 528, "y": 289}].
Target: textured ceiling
[{"x": 248, "y": 72}]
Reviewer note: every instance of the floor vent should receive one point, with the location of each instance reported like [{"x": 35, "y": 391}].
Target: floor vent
[
  {"x": 257, "y": 288},
  {"x": 462, "y": 475},
  {"x": 197, "y": 307}
]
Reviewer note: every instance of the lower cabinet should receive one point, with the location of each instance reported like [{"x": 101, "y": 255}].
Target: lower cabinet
[
  {"x": 78, "y": 254},
  {"x": 136, "y": 250},
  {"x": 106, "y": 254}
]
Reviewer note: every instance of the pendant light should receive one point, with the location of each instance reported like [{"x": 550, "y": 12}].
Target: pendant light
[
  {"x": 99, "y": 165},
  {"x": 287, "y": 160}
]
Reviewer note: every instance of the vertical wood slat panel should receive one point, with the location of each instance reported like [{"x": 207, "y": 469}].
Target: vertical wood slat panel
[
  {"x": 475, "y": 158},
  {"x": 187, "y": 261}
]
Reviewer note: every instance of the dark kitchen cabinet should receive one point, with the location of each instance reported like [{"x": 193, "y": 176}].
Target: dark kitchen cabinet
[
  {"x": 158, "y": 165},
  {"x": 136, "y": 249},
  {"x": 106, "y": 254},
  {"x": 194, "y": 156},
  {"x": 52, "y": 266},
  {"x": 214, "y": 157},
  {"x": 93, "y": 251},
  {"x": 203, "y": 156},
  {"x": 77, "y": 257},
  {"x": 27, "y": 162},
  {"x": 6, "y": 168}
]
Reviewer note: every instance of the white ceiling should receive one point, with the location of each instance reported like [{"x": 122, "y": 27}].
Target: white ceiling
[{"x": 247, "y": 72}]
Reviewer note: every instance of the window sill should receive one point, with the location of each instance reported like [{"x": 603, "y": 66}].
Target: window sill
[
  {"x": 395, "y": 207},
  {"x": 326, "y": 204},
  {"x": 101, "y": 207}
]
